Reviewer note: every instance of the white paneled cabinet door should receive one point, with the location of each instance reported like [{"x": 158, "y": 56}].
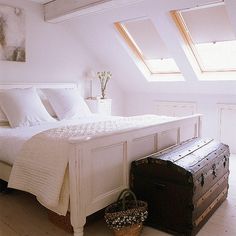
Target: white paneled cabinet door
[
  {"x": 167, "y": 108},
  {"x": 227, "y": 125}
]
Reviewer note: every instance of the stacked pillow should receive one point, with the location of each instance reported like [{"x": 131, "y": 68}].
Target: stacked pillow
[
  {"x": 23, "y": 107},
  {"x": 67, "y": 103}
]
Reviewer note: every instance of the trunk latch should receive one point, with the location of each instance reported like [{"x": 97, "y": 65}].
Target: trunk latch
[
  {"x": 202, "y": 180},
  {"x": 225, "y": 160},
  {"x": 214, "y": 171}
]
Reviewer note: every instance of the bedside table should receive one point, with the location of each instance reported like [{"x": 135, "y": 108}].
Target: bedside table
[{"x": 100, "y": 106}]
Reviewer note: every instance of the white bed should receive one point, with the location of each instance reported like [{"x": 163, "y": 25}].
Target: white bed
[{"x": 88, "y": 191}]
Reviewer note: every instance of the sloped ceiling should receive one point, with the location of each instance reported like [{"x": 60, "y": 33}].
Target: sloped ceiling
[{"x": 105, "y": 44}]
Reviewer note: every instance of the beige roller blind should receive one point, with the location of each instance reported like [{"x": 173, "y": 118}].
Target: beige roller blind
[
  {"x": 147, "y": 39},
  {"x": 209, "y": 24}
]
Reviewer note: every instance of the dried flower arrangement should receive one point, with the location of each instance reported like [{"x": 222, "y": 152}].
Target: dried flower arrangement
[{"x": 104, "y": 77}]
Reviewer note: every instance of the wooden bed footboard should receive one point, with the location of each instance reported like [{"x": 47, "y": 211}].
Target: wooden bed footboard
[{"x": 99, "y": 167}]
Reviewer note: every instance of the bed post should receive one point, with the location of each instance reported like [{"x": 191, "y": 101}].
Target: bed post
[
  {"x": 77, "y": 191},
  {"x": 200, "y": 126}
]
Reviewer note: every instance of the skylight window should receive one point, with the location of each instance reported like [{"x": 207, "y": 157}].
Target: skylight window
[
  {"x": 143, "y": 38},
  {"x": 210, "y": 36}
]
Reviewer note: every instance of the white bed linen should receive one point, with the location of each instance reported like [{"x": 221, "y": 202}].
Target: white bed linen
[{"x": 12, "y": 139}]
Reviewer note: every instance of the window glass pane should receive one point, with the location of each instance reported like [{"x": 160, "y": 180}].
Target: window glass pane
[
  {"x": 217, "y": 56},
  {"x": 162, "y": 65}
]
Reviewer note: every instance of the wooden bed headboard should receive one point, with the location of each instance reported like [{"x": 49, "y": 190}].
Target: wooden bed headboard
[{"x": 38, "y": 85}]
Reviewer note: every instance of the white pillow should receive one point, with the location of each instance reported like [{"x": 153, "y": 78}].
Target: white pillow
[
  {"x": 23, "y": 107},
  {"x": 46, "y": 103},
  {"x": 67, "y": 103}
]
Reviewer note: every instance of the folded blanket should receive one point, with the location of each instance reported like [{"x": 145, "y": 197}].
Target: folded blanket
[{"x": 42, "y": 165}]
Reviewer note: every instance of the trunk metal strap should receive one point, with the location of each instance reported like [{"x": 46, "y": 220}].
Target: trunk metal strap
[{"x": 208, "y": 210}]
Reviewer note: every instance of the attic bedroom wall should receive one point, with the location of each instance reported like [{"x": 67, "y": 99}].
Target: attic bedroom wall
[
  {"x": 54, "y": 55},
  {"x": 100, "y": 36}
]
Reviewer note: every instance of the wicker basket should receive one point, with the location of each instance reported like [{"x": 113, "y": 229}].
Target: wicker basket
[
  {"x": 125, "y": 217},
  {"x": 134, "y": 230}
]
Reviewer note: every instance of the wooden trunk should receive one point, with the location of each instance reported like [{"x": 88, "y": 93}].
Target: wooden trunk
[{"x": 183, "y": 185}]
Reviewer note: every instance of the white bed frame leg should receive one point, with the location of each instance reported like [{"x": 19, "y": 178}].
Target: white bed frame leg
[
  {"x": 77, "y": 192},
  {"x": 79, "y": 231}
]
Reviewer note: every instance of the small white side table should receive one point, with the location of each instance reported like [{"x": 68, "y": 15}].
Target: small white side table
[{"x": 100, "y": 106}]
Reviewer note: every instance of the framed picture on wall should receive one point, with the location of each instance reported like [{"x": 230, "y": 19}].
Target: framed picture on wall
[{"x": 12, "y": 33}]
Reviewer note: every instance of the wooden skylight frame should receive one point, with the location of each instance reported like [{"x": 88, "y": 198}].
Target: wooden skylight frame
[
  {"x": 137, "y": 52},
  {"x": 183, "y": 29}
]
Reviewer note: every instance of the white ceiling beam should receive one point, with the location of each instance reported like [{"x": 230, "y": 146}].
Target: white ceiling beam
[
  {"x": 61, "y": 10},
  {"x": 42, "y": 1}
]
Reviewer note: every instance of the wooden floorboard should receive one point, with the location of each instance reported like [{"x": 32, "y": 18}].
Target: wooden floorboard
[{"x": 22, "y": 215}]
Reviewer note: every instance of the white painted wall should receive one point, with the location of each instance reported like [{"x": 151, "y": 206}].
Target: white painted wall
[{"x": 53, "y": 55}]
